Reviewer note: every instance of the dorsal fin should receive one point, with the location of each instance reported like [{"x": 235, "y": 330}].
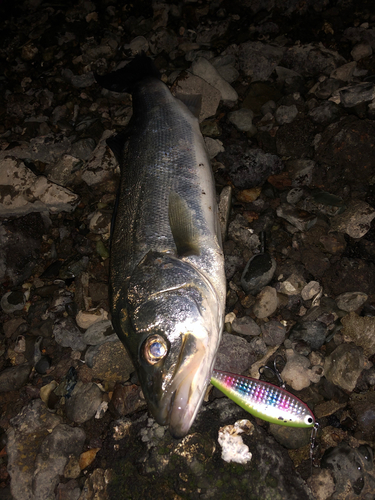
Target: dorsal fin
[{"x": 182, "y": 225}]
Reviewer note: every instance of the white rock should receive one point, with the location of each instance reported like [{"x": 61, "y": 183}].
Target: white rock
[
  {"x": 101, "y": 165},
  {"x": 85, "y": 319},
  {"x": 233, "y": 447},
  {"x": 266, "y": 302},
  {"x": 297, "y": 373},
  {"x": 23, "y": 192},
  {"x": 202, "y": 68},
  {"x": 242, "y": 119},
  {"x": 214, "y": 146}
]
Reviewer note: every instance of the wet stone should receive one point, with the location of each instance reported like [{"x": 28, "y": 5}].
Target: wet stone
[
  {"x": 364, "y": 409},
  {"x": 249, "y": 167},
  {"x": 355, "y": 221},
  {"x": 351, "y": 301},
  {"x": 300, "y": 219},
  {"x": 273, "y": 333},
  {"x": 100, "y": 332},
  {"x": 242, "y": 119},
  {"x": 111, "y": 362},
  {"x": 352, "y": 469},
  {"x": 83, "y": 403},
  {"x": 286, "y": 114},
  {"x": 258, "y": 272},
  {"x": 126, "y": 399},
  {"x": 245, "y": 326},
  {"x": 67, "y": 334},
  {"x": 361, "y": 331},
  {"x": 297, "y": 373},
  {"x": 12, "y": 301},
  {"x": 352, "y": 96},
  {"x": 14, "y": 378},
  {"x": 68, "y": 491},
  {"x": 290, "y": 437},
  {"x": 312, "y": 332},
  {"x": 310, "y": 290},
  {"x": 240, "y": 233},
  {"x": 266, "y": 303},
  {"x": 234, "y": 354},
  {"x": 344, "y": 365}
]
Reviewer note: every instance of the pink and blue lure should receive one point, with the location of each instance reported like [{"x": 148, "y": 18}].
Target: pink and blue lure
[{"x": 264, "y": 400}]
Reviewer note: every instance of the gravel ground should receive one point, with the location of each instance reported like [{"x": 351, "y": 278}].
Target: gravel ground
[{"x": 288, "y": 109}]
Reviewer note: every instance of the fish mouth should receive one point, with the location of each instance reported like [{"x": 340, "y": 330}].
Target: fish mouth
[{"x": 184, "y": 392}]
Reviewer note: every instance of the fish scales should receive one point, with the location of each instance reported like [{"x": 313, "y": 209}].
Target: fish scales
[{"x": 167, "y": 281}]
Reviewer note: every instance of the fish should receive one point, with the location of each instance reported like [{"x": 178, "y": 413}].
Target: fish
[
  {"x": 264, "y": 400},
  {"x": 167, "y": 283}
]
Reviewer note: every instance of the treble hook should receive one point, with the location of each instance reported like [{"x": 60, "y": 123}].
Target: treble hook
[{"x": 275, "y": 371}]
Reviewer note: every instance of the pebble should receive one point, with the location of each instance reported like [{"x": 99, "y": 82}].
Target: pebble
[
  {"x": 344, "y": 365},
  {"x": 352, "y": 96},
  {"x": 300, "y": 219},
  {"x": 258, "y": 272},
  {"x": 12, "y": 301},
  {"x": 273, "y": 333},
  {"x": 245, "y": 326},
  {"x": 352, "y": 470},
  {"x": 297, "y": 373},
  {"x": 86, "y": 458},
  {"x": 345, "y": 72},
  {"x": 351, "y": 301},
  {"x": 310, "y": 290},
  {"x": 214, "y": 147},
  {"x": 126, "y": 399},
  {"x": 233, "y": 449},
  {"x": 12, "y": 379},
  {"x": 286, "y": 114},
  {"x": 322, "y": 484},
  {"x": 242, "y": 119},
  {"x": 290, "y": 437},
  {"x": 293, "y": 285},
  {"x": 360, "y": 51},
  {"x": 100, "y": 332},
  {"x": 85, "y": 319},
  {"x": 240, "y": 232},
  {"x": 234, "y": 354},
  {"x": 360, "y": 330},
  {"x": 364, "y": 409},
  {"x": 67, "y": 334},
  {"x": 225, "y": 205},
  {"x": 111, "y": 362},
  {"x": 204, "y": 69},
  {"x": 355, "y": 221},
  {"x": 266, "y": 303},
  {"x": 312, "y": 332},
  {"x": 248, "y": 168},
  {"x": 72, "y": 469},
  {"x": 83, "y": 402}
]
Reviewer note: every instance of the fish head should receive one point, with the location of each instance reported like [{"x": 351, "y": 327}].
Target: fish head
[{"x": 178, "y": 330}]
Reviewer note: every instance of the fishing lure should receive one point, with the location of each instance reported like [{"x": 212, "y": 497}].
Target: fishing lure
[{"x": 264, "y": 400}]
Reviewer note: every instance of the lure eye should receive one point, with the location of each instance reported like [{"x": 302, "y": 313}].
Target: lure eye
[
  {"x": 309, "y": 420},
  {"x": 154, "y": 349}
]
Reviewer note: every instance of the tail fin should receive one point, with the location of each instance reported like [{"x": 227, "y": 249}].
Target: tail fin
[{"x": 126, "y": 78}]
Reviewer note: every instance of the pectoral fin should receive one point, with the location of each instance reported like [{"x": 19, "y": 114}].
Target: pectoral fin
[{"x": 182, "y": 225}]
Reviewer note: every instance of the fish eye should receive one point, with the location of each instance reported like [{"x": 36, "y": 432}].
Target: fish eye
[{"x": 154, "y": 349}]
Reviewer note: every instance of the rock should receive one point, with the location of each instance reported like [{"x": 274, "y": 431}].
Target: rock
[
  {"x": 233, "y": 448},
  {"x": 355, "y": 221},
  {"x": 360, "y": 51},
  {"x": 351, "y": 301},
  {"x": 361, "y": 331},
  {"x": 136, "y": 46},
  {"x": 72, "y": 469},
  {"x": 312, "y": 332},
  {"x": 225, "y": 205},
  {"x": 312, "y": 60},
  {"x": 234, "y": 354},
  {"x": 292, "y": 285},
  {"x": 258, "y": 59},
  {"x": 310, "y": 290},
  {"x": 248, "y": 195},
  {"x": 12, "y": 301},
  {"x": 352, "y": 96},
  {"x": 101, "y": 165},
  {"x": 364, "y": 409},
  {"x": 240, "y": 233},
  {"x": 327, "y": 112},
  {"x": 242, "y": 119},
  {"x": 126, "y": 399},
  {"x": 27, "y": 192},
  {"x": 53, "y": 455},
  {"x": 111, "y": 362},
  {"x": 273, "y": 333},
  {"x": 258, "y": 273},
  {"x": 100, "y": 332},
  {"x": 352, "y": 470},
  {"x": 85, "y": 319},
  {"x": 297, "y": 373},
  {"x": 300, "y": 219},
  {"x": 83, "y": 403},
  {"x": 192, "y": 84},
  {"x": 290, "y": 437},
  {"x": 344, "y": 365},
  {"x": 68, "y": 491},
  {"x": 202, "y": 68},
  {"x": 214, "y": 147},
  {"x": 26, "y": 434},
  {"x": 300, "y": 171},
  {"x": 245, "y": 326},
  {"x": 344, "y": 72},
  {"x": 249, "y": 168},
  {"x": 64, "y": 171},
  {"x": 67, "y": 334},
  {"x": 12, "y": 379},
  {"x": 322, "y": 484},
  {"x": 87, "y": 458},
  {"x": 286, "y": 114},
  {"x": 266, "y": 303}
]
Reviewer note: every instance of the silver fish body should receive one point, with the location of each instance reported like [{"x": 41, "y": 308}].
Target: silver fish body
[{"x": 167, "y": 279}]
